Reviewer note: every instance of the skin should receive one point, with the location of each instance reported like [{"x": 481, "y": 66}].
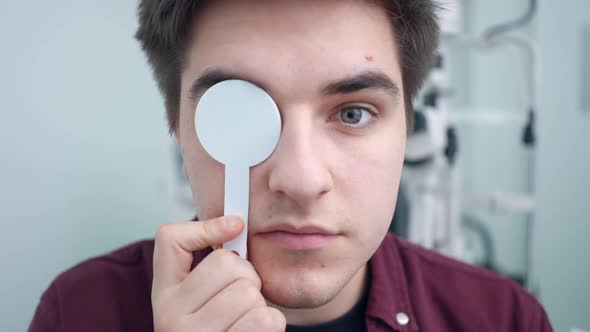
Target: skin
[{"x": 325, "y": 171}]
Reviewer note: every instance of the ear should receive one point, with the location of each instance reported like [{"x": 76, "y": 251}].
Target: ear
[
  {"x": 180, "y": 151},
  {"x": 173, "y": 115},
  {"x": 184, "y": 171},
  {"x": 174, "y": 132}
]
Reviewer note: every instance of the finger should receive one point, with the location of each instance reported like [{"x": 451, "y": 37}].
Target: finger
[
  {"x": 233, "y": 302},
  {"x": 218, "y": 270},
  {"x": 175, "y": 243},
  {"x": 261, "y": 319}
]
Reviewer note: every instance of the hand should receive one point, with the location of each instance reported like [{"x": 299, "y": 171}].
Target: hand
[{"x": 222, "y": 293}]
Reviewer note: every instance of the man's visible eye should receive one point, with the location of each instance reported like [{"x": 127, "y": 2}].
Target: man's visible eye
[{"x": 356, "y": 116}]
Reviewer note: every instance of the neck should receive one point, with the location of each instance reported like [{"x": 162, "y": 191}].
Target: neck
[{"x": 336, "y": 308}]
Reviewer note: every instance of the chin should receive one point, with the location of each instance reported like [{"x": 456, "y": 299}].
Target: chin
[
  {"x": 300, "y": 290},
  {"x": 302, "y": 282},
  {"x": 303, "y": 279}
]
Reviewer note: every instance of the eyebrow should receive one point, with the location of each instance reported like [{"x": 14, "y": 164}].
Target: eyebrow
[
  {"x": 369, "y": 79},
  {"x": 212, "y": 76}
]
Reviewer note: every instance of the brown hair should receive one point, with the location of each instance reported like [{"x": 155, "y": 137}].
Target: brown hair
[{"x": 164, "y": 33}]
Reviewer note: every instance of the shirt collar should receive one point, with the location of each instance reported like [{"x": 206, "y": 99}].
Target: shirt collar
[{"x": 389, "y": 298}]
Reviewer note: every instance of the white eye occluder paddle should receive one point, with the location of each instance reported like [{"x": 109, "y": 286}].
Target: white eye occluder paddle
[{"x": 239, "y": 125}]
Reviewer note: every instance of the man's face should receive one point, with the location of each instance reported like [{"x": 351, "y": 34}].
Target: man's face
[{"x": 338, "y": 161}]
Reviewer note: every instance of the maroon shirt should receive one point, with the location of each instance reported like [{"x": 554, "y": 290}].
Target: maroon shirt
[{"x": 412, "y": 289}]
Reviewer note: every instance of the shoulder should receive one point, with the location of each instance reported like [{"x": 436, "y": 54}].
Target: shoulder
[
  {"x": 130, "y": 263},
  {"x": 97, "y": 288},
  {"x": 465, "y": 294},
  {"x": 432, "y": 268}
]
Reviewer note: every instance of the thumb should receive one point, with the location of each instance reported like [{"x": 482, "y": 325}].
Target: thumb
[{"x": 175, "y": 243}]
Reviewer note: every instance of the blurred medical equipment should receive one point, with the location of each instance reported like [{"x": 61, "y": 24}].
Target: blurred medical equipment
[{"x": 431, "y": 177}]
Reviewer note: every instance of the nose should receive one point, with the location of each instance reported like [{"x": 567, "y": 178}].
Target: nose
[{"x": 299, "y": 166}]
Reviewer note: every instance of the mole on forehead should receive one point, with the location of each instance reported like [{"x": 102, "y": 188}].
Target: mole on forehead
[{"x": 369, "y": 58}]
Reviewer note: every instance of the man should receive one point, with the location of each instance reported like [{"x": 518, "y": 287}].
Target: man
[{"x": 343, "y": 74}]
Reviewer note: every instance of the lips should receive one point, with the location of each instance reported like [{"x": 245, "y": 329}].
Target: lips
[{"x": 291, "y": 237}]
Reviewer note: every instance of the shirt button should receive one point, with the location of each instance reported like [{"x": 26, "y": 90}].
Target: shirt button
[{"x": 402, "y": 318}]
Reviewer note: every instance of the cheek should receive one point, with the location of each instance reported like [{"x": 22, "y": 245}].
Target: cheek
[
  {"x": 205, "y": 174},
  {"x": 206, "y": 177},
  {"x": 370, "y": 177}
]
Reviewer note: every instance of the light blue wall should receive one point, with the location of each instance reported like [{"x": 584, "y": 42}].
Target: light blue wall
[
  {"x": 82, "y": 137},
  {"x": 82, "y": 146},
  {"x": 563, "y": 232}
]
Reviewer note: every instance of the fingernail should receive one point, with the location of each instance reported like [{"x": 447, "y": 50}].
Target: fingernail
[
  {"x": 235, "y": 253},
  {"x": 232, "y": 222}
]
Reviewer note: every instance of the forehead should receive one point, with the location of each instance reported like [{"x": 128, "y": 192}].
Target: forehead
[{"x": 292, "y": 45}]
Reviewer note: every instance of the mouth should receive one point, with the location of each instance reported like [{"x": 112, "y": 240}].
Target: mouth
[{"x": 298, "y": 238}]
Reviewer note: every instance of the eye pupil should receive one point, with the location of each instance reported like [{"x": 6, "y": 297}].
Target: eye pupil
[{"x": 352, "y": 115}]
